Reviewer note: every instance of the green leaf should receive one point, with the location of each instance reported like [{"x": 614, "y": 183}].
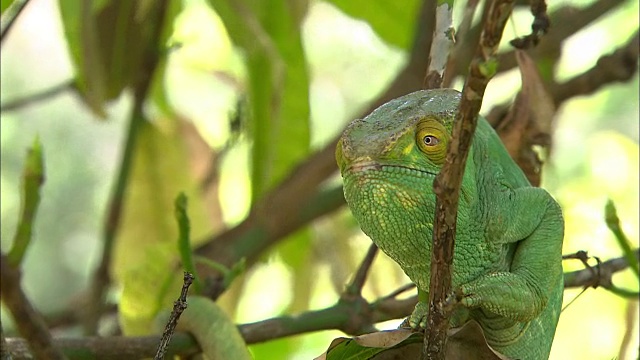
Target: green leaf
[
  {"x": 393, "y": 21},
  {"x": 278, "y": 84},
  {"x": 108, "y": 40},
  {"x": 146, "y": 253},
  {"x": 399, "y": 343},
  {"x": 4, "y": 4}
]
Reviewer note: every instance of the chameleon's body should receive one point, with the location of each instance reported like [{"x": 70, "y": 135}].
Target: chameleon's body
[{"x": 507, "y": 257}]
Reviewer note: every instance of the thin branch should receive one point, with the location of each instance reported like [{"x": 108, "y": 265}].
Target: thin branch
[
  {"x": 539, "y": 27},
  {"x": 355, "y": 288},
  {"x": 463, "y": 38},
  {"x": 598, "y": 276},
  {"x": 443, "y": 37},
  {"x": 549, "y": 47},
  {"x": 37, "y": 97},
  {"x": 27, "y": 319},
  {"x": 561, "y": 29},
  {"x": 9, "y": 17},
  {"x": 447, "y": 184},
  {"x": 620, "y": 65},
  {"x": 101, "y": 278},
  {"x": 179, "y": 306},
  {"x": 110, "y": 348}
]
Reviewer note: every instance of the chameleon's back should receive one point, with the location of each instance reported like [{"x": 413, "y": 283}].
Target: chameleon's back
[{"x": 534, "y": 341}]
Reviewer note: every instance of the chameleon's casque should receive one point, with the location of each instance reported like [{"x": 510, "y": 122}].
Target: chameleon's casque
[{"x": 507, "y": 257}]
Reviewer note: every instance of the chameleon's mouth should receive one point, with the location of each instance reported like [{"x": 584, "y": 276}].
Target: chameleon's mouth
[{"x": 365, "y": 166}]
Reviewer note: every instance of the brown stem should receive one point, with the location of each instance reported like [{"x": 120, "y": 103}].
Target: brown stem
[
  {"x": 355, "y": 288},
  {"x": 447, "y": 184},
  {"x": 29, "y": 322}
]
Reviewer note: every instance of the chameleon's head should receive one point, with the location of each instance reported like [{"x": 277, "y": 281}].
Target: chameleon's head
[
  {"x": 388, "y": 161},
  {"x": 408, "y": 133}
]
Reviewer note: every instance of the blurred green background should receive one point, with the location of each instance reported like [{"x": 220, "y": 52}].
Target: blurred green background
[{"x": 204, "y": 77}]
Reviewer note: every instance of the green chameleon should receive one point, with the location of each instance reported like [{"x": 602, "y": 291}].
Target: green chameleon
[{"x": 507, "y": 258}]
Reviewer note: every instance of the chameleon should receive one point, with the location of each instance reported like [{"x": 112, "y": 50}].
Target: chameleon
[{"x": 507, "y": 262}]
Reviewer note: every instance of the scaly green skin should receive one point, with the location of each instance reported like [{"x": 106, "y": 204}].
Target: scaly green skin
[{"x": 507, "y": 256}]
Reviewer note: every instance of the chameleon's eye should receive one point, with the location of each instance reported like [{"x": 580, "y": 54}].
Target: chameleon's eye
[{"x": 432, "y": 138}]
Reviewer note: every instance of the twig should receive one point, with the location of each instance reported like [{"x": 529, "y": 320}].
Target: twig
[
  {"x": 620, "y": 65},
  {"x": 630, "y": 318},
  {"x": 463, "y": 39},
  {"x": 539, "y": 27},
  {"x": 551, "y": 46},
  {"x": 38, "y": 96},
  {"x": 28, "y": 321},
  {"x": 447, "y": 184},
  {"x": 597, "y": 276},
  {"x": 178, "y": 307},
  {"x": 399, "y": 291},
  {"x": 101, "y": 278},
  {"x": 443, "y": 38},
  {"x": 110, "y": 348},
  {"x": 562, "y": 30},
  {"x": 355, "y": 288},
  {"x": 9, "y": 17}
]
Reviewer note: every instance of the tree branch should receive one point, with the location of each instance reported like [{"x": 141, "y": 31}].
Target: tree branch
[
  {"x": 38, "y": 96},
  {"x": 443, "y": 36},
  {"x": 27, "y": 319},
  {"x": 620, "y": 65},
  {"x": 549, "y": 47},
  {"x": 598, "y": 276},
  {"x": 447, "y": 183},
  {"x": 355, "y": 288}
]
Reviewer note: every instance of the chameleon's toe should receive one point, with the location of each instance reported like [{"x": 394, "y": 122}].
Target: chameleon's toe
[
  {"x": 418, "y": 318},
  {"x": 469, "y": 296}
]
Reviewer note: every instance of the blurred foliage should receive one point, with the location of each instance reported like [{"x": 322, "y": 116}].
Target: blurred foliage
[{"x": 242, "y": 93}]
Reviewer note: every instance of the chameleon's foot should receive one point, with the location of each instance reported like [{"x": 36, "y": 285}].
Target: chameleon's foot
[
  {"x": 418, "y": 318},
  {"x": 505, "y": 294}
]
